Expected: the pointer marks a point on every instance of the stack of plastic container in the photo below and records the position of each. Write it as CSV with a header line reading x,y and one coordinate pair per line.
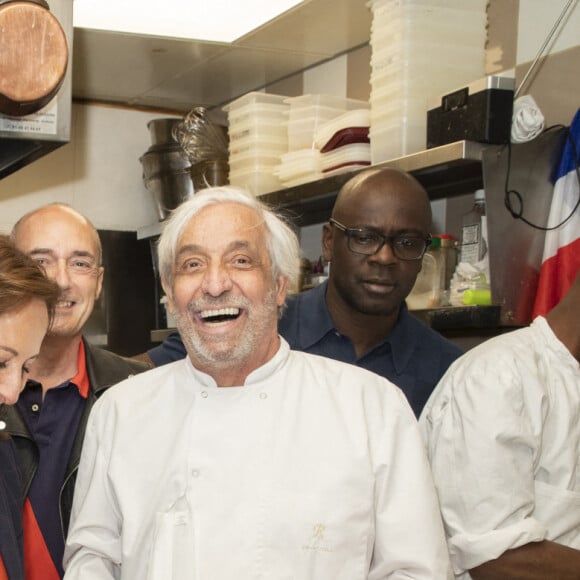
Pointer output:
x,y
257,138
307,114
421,49
344,142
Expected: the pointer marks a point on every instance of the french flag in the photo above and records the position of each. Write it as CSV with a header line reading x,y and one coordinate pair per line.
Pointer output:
x,y
561,259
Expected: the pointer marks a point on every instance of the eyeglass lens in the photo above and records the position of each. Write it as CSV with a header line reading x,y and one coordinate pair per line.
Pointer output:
x,y
404,247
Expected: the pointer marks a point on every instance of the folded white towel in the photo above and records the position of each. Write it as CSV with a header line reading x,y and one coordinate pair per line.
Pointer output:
x,y
527,120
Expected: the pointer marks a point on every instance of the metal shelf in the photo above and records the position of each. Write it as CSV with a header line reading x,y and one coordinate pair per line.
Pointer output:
x,y
444,171
460,317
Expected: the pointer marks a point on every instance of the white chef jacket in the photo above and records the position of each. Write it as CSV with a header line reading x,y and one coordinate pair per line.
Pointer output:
x,y
313,470
503,434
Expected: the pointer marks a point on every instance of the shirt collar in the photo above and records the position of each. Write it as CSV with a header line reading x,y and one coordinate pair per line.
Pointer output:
x,y
318,323
81,379
255,377
402,339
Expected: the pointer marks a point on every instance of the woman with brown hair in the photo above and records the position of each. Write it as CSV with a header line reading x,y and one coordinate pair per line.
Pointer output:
x,y
27,301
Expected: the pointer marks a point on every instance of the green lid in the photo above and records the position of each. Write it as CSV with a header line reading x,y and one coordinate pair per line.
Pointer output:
x,y
435,243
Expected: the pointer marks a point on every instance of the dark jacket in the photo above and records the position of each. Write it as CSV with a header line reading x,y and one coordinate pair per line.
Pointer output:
x,y
10,512
104,369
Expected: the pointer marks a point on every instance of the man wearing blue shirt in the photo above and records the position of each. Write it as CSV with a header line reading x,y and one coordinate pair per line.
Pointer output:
x,y
375,242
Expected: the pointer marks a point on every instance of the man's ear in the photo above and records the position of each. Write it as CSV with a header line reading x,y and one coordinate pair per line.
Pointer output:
x,y
327,242
100,277
281,290
168,291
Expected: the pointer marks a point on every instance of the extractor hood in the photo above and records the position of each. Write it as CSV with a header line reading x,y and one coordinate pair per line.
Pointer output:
x,y
25,139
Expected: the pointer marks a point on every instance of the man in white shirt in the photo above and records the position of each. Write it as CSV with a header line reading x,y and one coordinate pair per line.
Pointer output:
x,y
504,442
248,460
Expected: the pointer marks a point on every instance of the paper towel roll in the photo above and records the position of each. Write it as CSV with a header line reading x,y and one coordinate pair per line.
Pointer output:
x,y
527,120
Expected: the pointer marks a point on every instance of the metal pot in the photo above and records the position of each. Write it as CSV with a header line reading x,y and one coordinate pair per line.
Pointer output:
x,y
169,190
209,173
161,130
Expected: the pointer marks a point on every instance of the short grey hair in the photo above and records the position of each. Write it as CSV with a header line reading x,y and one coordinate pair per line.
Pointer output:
x,y
282,242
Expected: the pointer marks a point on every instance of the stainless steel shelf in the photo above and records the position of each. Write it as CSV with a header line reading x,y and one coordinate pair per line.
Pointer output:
x,y
444,171
150,231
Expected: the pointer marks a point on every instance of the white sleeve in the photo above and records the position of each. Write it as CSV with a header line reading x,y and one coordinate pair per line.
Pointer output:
x,y
482,442
410,540
93,546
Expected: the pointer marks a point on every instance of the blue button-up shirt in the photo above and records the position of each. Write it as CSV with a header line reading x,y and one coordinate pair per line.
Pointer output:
x,y
412,356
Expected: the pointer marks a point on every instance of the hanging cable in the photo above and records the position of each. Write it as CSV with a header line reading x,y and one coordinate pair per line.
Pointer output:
x,y
510,194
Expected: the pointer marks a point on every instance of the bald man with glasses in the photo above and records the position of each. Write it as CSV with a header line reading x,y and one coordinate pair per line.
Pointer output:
x,y
375,242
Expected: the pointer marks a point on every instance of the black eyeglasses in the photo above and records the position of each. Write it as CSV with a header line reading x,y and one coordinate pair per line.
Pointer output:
x,y
369,242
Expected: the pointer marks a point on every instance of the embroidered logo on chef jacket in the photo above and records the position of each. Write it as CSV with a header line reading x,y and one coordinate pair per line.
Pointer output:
x,y
317,543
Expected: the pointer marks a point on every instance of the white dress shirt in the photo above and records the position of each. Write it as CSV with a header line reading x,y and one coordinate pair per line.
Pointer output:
x,y
313,470
503,434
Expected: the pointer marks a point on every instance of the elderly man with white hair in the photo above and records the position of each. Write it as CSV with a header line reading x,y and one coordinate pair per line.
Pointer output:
x,y
246,459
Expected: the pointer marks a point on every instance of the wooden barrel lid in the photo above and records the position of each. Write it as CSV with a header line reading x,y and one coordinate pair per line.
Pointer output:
x,y
34,57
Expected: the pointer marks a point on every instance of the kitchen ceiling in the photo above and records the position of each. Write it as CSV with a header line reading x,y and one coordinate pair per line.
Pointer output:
x,y
177,75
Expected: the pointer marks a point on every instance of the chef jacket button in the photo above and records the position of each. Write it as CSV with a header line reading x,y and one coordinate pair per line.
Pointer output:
x,y
35,407
263,395
195,473
204,394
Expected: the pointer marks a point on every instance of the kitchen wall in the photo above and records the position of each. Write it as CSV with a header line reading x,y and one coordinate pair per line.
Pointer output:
x,y
517,31
99,172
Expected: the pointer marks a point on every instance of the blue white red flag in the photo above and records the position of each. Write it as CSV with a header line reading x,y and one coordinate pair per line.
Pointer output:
x,y
561,258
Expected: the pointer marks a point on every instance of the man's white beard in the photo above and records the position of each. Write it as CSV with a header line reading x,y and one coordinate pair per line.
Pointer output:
x,y
207,348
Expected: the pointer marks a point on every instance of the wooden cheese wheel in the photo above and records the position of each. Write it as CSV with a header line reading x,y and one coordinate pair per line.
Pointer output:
x,y
33,57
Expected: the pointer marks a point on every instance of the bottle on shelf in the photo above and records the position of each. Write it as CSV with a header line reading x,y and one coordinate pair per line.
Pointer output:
x,y
474,231
444,248
472,272
431,286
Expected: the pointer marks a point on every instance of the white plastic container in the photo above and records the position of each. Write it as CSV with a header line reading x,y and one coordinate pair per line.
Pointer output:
x,y
301,132
408,37
263,112
258,180
248,161
355,118
308,112
399,139
297,113
296,164
426,292
354,154
258,130
250,144
331,101
254,98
